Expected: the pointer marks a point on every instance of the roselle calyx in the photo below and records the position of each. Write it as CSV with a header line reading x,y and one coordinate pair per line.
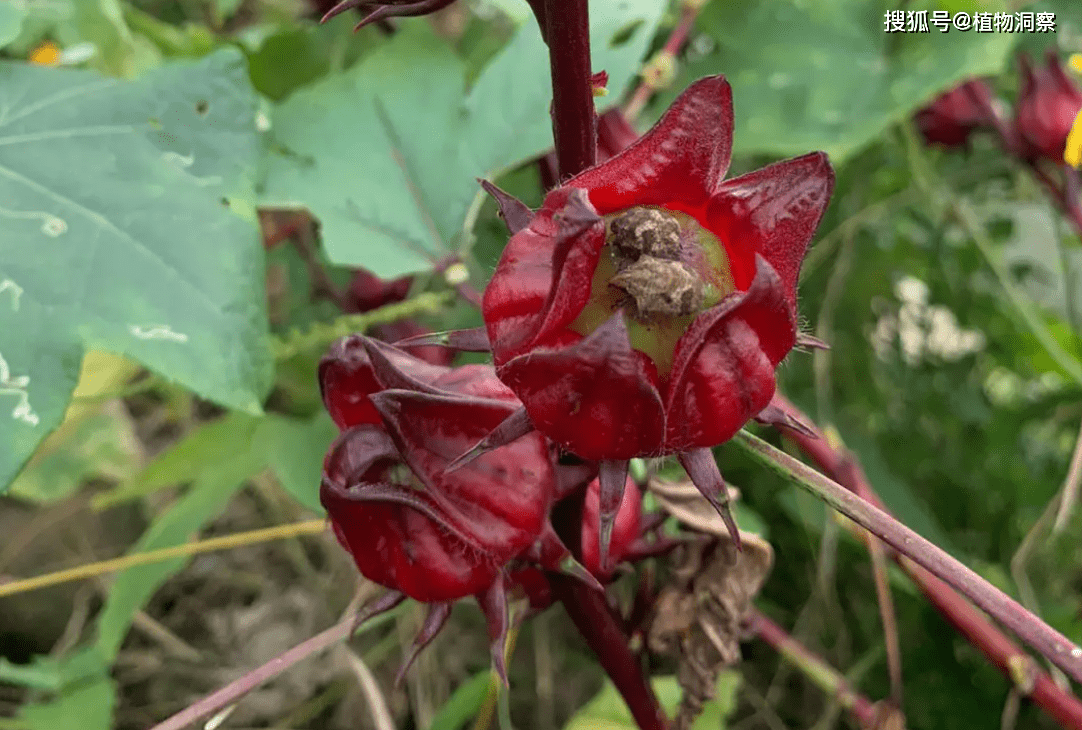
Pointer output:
x,y
953,116
410,524
1048,105
643,309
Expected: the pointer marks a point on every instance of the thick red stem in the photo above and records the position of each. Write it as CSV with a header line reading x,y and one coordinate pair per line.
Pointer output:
x,y
971,623
594,620
573,122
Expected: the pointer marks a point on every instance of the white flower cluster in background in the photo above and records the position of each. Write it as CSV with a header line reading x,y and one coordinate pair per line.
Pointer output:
x,y
922,330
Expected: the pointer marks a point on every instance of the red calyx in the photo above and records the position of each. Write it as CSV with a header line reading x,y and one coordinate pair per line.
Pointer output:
x,y
1047,106
954,115
607,385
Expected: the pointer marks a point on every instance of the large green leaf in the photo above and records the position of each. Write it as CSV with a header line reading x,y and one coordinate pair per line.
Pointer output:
x,y
11,21
117,234
824,75
388,163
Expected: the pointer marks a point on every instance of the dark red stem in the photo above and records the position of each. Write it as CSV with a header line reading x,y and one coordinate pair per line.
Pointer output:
x,y
573,123
1015,663
594,620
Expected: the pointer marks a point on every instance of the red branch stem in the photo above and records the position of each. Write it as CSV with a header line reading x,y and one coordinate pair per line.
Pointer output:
x,y
599,628
1005,654
816,669
573,122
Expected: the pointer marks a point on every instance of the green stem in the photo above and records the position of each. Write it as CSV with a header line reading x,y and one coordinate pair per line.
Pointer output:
x,y
1042,637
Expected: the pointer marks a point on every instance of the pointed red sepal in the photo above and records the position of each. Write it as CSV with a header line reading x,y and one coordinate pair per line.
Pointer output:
x,y
516,214
391,374
334,497
684,157
641,549
703,471
772,212
550,553
607,379
778,417
424,7
572,472
810,342
377,606
612,478
341,8
471,340
435,619
510,429
493,603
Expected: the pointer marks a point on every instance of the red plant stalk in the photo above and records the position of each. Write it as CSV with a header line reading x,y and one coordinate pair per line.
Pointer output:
x,y
590,612
573,122
816,669
1011,660
566,28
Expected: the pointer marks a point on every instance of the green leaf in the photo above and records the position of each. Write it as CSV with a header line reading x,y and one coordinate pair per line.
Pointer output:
x,y
118,52
41,674
607,710
812,75
12,15
116,236
388,163
209,447
84,706
85,694
294,450
464,703
134,587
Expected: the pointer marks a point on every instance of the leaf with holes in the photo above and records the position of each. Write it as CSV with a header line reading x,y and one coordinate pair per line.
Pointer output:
x,y
389,164
115,202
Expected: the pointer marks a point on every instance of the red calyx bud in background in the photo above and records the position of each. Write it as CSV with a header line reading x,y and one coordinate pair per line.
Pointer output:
x,y
1047,107
368,291
626,530
953,116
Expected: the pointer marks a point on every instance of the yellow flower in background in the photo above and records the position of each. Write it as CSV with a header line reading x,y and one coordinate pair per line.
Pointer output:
x,y
1075,63
47,54
1072,153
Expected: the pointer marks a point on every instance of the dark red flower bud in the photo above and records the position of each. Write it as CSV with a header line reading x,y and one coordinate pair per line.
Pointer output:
x,y
646,305
953,116
368,291
1048,105
626,530
412,524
